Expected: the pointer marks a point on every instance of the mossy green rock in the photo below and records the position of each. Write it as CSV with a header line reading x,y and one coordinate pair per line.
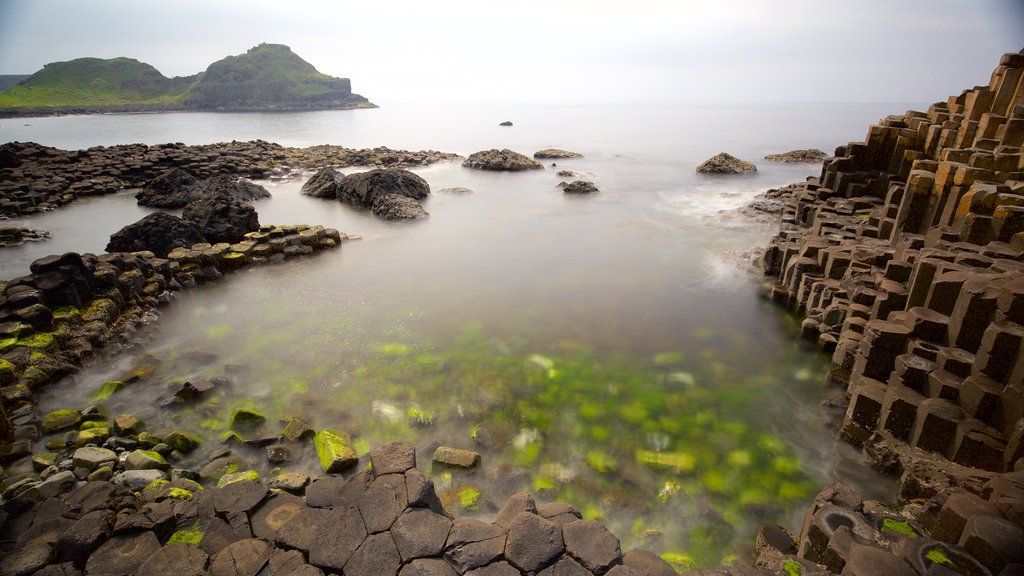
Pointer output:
x,y
60,420
93,436
8,373
247,419
237,477
108,389
456,457
335,451
296,430
43,461
182,441
145,460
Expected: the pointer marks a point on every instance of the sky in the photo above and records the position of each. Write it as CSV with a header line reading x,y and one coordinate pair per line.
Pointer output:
x,y
553,51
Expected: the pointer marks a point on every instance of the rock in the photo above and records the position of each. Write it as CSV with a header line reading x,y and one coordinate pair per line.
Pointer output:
x,y
145,460
428,567
182,441
565,566
222,218
136,480
274,513
302,529
993,541
77,542
647,562
592,545
808,155
292,482
472,544
396,207
868,561
225,186
580,187
158,233
420,533
383,502
172,189
335,451
533,542
122,555
555,154
456,457
505,123
377,556
516,504
59,483
60,420
343,531
323,184
500,568
243,558
421,492
241,496
363,188
246,419
176,559
92,457
501,160
393,458
455,190
725,164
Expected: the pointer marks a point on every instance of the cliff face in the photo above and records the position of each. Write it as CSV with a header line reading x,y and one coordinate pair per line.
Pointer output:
x,y
267,77
906,258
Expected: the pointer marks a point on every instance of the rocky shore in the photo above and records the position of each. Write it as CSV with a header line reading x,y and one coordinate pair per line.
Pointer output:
x,y
905,259
36,178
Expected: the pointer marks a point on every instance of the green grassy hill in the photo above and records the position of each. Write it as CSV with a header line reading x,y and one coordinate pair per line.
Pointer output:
x,y
267,77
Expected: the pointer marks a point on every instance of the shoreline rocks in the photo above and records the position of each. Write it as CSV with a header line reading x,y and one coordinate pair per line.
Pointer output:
x,y
905,259
14,236
723,163
504,160
555,154
810,155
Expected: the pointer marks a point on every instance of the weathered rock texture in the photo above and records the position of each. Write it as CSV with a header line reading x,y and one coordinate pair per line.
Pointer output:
x,y
501,160
36,178
906,258
808,155
723,163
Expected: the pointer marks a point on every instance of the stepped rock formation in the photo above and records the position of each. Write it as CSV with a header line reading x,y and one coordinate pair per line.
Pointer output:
x,y
906,259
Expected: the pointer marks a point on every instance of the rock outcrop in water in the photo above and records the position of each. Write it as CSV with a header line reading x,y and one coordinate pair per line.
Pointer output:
x,y
177,188
158,233
323,184
501,160
724,163
36,178
906,259
222,218
810,155
391,193
555,154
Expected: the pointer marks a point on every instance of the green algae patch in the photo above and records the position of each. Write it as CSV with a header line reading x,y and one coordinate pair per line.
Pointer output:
x,y
8,372
600,462
247,419
190,535
41,341
237,477
90,424
938,555
67,313
898,527
156,485
182,441
469,498
793,568
179,494
107,390
676,461
43,461
334,450
220,332
7,344
395,349
60,420
420,417
678,561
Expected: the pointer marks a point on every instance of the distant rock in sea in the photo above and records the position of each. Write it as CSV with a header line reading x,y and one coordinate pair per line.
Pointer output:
x,y
808,155
555,154
501,160
725,164
579,187
506,123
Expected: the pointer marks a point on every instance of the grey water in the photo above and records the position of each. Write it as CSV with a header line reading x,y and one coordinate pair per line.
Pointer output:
x,y
582,335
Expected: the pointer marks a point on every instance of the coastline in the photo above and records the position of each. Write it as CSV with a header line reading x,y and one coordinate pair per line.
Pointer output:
x,y
44,111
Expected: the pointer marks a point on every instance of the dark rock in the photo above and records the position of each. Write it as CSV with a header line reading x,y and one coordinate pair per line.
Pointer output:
x,y
176,559
505,123
302,529
647,562
219,534
274,513
555,154
363,188
995,542
341,534
323,184
397,207
808,155
158,233
172,189
222,218
225,186
122,555
592,545
558,512
420,533
870,561
65,569
87,533
580,187
533,542
393,458
565,566
26,560
472,544
420,490
99,495
242,558
501,160
501,568
377,556
723,163
242,496
516,503
383,502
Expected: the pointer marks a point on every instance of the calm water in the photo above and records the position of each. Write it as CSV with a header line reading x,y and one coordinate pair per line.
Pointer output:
x,y
601,350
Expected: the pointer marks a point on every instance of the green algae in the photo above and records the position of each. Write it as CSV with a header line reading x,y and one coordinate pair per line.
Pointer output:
x,y
40,341
233,477
678,561
7,344
220,332
90,424
899,527
192,534
793,568
419,416
469,498
600,461
938,555
156,484
107,390
179,494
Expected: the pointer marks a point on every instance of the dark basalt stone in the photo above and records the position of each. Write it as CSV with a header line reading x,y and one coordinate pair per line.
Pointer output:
x,y
158,233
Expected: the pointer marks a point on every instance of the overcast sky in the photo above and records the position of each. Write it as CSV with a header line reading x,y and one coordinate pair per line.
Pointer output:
x,y
553,51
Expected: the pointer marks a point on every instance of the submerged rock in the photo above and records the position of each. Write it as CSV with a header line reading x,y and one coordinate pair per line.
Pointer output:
x,y
555,154
501,160
580,187
158,233
323,184
364,188
506,123
725,164
808,155
397,207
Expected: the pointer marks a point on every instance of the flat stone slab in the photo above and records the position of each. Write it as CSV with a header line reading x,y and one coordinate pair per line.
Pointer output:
x,y
383,502
592,545
122,555
377,556
241,496
177,559
243,558
428,567
341,533
420,533
92,457
456,457
393,458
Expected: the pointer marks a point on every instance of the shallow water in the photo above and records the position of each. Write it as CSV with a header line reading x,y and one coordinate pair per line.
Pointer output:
x,y
601,349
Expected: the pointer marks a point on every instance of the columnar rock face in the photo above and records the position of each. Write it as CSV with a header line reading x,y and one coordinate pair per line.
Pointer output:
x,y
906,259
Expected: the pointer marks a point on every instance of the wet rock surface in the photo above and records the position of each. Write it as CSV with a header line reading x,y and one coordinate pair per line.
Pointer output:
x,y
724,163
501,160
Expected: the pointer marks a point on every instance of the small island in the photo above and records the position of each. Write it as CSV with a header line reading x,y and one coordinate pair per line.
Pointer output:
x,y
268,77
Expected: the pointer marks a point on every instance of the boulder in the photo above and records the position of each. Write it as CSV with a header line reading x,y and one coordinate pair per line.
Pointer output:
x,y
227,186
808,155
555,154
580,187
363,188
222,218
172,189
502,160
158,233
323,184
725,164
397,207
335,451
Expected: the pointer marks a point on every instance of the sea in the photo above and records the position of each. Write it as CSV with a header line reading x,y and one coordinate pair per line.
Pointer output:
x,y
610,350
